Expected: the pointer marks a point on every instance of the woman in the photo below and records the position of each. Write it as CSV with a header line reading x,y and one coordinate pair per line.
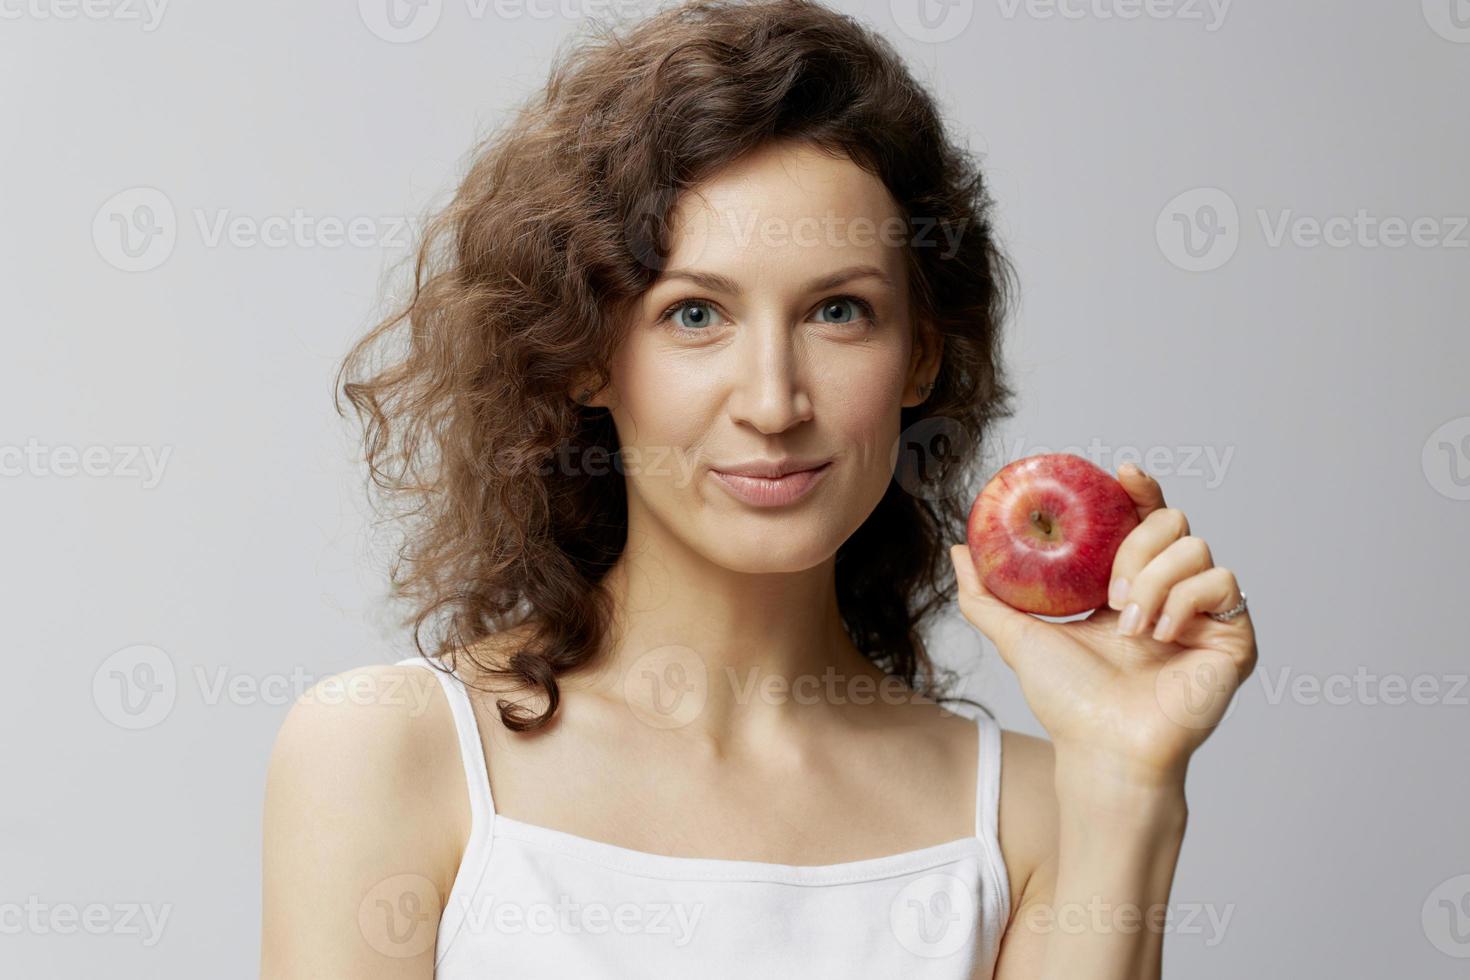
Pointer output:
x,y
692,728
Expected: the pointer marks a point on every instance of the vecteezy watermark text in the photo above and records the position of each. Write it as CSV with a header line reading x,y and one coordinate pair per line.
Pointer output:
x,y
36,459
567,916
36,917
148,13
136,230
1207,463
1211,13
137,687
406,21
1201,229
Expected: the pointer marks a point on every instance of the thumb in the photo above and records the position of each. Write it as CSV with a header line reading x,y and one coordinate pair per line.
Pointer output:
x,y
1003,625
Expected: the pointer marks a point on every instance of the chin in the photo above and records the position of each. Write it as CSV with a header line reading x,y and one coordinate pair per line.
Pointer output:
x,y
774,550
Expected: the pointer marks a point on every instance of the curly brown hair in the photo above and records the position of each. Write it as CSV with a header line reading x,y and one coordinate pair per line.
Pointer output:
x,y
520,284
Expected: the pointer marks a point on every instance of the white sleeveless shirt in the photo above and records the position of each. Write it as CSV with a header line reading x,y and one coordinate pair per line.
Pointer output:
x,y
531,902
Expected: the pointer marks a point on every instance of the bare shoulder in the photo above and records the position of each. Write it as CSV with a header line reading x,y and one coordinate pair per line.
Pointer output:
x,y
390,714
380,735
1028,808
1028,804
360,756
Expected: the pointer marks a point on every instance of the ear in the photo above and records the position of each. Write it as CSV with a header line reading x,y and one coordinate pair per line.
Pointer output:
x,y
923,364
585,393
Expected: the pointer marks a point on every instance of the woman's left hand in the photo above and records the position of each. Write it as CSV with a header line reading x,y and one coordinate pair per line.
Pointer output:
x,y
1139,703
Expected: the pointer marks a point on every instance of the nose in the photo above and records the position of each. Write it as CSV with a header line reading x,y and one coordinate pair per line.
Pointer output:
x,y
769,391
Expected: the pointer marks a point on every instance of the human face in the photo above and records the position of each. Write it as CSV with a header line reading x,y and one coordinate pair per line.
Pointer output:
x,y
778,328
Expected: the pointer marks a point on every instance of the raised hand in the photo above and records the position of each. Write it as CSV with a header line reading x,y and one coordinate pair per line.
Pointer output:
x,y
1140,683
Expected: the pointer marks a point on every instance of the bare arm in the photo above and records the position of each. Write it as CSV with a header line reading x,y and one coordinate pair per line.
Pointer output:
x,y
362,829
1127,700
1104,856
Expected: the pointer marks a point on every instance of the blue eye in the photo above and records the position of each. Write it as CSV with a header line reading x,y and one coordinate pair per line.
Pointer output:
x,y
862,310
694,316
689,324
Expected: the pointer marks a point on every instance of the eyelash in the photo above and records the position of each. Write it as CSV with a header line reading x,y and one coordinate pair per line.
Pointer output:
x,y
869,315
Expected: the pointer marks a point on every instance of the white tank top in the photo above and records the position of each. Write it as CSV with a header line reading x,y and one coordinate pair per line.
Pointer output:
x,y
530,902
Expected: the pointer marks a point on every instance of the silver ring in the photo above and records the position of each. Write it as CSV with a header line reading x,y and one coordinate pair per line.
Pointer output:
x,y
1229,614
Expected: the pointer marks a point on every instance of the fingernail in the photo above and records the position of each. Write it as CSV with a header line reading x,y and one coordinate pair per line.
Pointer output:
x,y
1128,622
1162,629
1117,592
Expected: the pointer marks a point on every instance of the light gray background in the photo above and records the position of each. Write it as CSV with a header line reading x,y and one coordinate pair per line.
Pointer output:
x,y
1329,383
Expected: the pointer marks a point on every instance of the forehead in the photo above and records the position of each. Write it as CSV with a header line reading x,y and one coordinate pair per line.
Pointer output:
x,y
785,211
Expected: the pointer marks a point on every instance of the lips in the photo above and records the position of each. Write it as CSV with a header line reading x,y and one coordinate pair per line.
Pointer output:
x,y
762,491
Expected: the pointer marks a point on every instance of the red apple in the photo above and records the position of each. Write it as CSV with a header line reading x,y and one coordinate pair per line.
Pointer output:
x,y
1044,530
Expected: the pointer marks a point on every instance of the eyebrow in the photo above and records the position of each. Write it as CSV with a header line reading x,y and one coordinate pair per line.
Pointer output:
x,y
719,283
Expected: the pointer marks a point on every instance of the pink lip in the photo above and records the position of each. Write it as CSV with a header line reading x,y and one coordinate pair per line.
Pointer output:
x,y
761,491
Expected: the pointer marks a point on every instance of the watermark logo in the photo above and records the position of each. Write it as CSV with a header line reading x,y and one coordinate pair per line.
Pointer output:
x,y
397,916
648,230
1446,459
1450,19
933,916
926,454
1446,917
667,687
933,21
1199,230
400,21
1199,694
135,688
135,230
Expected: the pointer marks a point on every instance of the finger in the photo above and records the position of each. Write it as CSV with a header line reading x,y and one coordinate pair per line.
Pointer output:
x,y
1001,624
1153,534
1185,557
1147,495
1213,590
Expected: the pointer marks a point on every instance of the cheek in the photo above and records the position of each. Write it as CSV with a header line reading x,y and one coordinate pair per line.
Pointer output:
x,y
664,401
859,405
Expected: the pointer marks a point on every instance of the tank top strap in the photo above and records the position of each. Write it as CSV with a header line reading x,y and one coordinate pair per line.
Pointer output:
x,y
471,752
987,777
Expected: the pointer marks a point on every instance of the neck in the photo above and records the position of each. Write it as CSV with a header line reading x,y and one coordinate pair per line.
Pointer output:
x,y
726,657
